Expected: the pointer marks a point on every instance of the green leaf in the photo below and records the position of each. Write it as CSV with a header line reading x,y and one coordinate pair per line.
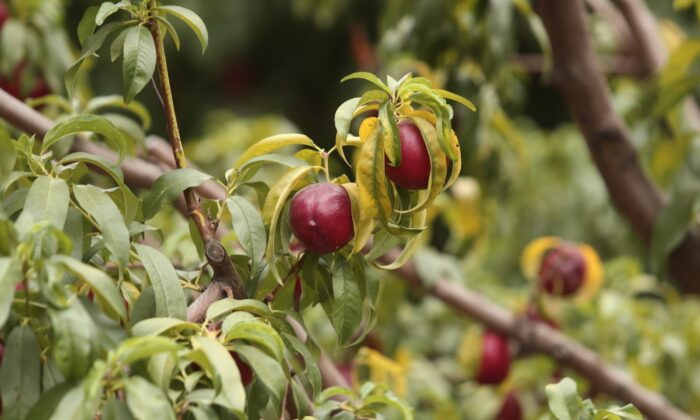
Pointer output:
x,y
163,326
389,401
311,369
362,219
370,78
48,199
343,118
106,10
249,228
390,133
272,143
411,246
453,96
138,348
86,123
116,48
117,101
371,178
564,402
192,20
139,60
116,410
170,299
8,156
108,167
91,44
346,313
168,186
147,401
10,275
100,283
97,204
267,370
20,373
260,334
170,29
87,25
225,306
224,373
47,405
72,346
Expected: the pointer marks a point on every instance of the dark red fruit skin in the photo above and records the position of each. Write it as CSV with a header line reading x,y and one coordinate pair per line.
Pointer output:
x,y
413,173
321,217
510,408
495,359
244,369
562,271
4,13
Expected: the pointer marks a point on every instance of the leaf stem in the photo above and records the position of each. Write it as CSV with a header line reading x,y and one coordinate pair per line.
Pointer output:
x,y
216,254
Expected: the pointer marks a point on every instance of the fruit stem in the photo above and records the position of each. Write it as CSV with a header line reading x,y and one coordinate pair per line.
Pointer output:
x,y
216,254
325,155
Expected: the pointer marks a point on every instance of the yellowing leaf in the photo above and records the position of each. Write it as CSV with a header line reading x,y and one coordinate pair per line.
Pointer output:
x,y
275,203
362,220
438,164
532,255
594,273
371,179
272,143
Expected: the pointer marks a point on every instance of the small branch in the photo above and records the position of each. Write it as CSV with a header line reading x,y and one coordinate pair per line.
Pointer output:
x,y
539,338
216,254
577,75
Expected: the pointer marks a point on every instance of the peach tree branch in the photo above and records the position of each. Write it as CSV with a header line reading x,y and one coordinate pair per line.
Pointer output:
x,y
578,76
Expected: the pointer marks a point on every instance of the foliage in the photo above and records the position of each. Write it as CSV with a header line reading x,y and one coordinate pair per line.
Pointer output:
x,y
96,275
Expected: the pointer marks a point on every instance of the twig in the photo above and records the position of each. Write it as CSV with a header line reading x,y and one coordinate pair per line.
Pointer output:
x,y
216,254
577,75
539,338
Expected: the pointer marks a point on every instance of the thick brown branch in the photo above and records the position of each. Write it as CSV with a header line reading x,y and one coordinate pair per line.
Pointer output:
x,y
539,338
578,76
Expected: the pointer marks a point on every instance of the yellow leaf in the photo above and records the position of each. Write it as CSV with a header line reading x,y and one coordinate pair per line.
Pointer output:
x,y
438,164
272,143
362,221
457,163
274,203
594,273
532,255
371,180
368,125
410,248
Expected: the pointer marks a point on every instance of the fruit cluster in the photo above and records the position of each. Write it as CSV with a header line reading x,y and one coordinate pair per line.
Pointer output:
x,y
405,137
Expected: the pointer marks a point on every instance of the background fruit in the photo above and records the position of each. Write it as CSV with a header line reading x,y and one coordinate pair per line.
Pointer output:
x,y
511,408
563,270
413,173
495,359
321,217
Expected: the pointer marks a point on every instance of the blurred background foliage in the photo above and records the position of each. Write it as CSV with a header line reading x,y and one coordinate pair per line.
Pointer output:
x,y
274,66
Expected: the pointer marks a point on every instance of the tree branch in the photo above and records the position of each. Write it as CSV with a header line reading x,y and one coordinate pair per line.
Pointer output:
x,y
577,75
216,254
540,338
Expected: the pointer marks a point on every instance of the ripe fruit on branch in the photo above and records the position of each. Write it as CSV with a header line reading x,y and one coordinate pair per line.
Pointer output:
x,y
413,173
320,216
563,270
495,359
510,408
245,370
